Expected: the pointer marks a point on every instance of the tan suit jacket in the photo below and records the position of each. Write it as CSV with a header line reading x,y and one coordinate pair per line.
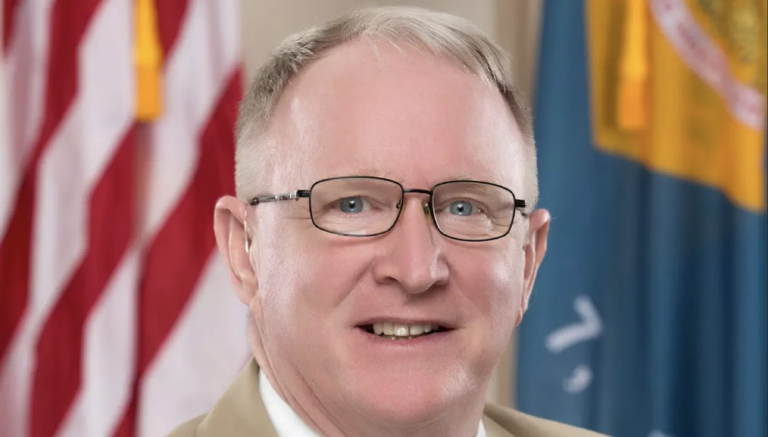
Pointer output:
x,y
240,413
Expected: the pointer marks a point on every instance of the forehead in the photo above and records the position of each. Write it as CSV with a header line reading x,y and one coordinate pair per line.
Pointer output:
x,y
367,108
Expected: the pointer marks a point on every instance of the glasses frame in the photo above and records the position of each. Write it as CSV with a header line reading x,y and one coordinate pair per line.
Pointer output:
x,y
300,194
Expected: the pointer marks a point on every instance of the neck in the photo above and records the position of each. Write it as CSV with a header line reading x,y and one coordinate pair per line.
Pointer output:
x,y
462,421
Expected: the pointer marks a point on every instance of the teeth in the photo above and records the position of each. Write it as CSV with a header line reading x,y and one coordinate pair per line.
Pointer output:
x,y
416,329
386,328
401,330
404,331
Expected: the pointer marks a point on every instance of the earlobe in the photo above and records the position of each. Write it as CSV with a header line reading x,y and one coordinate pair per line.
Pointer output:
x,y
519,318
230,225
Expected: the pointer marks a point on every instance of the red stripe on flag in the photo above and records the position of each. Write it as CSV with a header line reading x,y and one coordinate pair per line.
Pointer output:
x,y
179,253
69,20
111,222
14,263
9,10
170,16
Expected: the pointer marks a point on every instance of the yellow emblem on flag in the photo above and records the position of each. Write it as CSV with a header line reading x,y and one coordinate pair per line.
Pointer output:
x,y
680,86
149,59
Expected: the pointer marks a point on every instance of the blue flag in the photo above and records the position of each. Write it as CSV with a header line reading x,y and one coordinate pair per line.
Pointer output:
x,y
649,314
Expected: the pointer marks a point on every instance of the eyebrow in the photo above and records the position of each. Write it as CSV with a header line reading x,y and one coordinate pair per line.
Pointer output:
x,y
462,177
377,172
369,171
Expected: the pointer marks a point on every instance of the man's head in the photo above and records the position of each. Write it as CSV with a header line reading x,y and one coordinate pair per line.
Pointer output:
x,y
418,98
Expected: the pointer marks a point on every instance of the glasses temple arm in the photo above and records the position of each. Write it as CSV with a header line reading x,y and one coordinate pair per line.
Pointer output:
x,y
519,203
294,195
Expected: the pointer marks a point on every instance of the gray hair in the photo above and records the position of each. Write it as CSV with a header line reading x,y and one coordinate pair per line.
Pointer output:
x,y
438,34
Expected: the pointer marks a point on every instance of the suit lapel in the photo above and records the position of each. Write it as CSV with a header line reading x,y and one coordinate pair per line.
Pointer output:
x,y
493,429
240,412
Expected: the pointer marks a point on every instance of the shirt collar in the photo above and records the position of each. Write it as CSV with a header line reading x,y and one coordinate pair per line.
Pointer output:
x,y
287,423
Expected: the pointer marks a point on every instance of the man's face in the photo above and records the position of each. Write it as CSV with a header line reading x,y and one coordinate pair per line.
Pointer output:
x,y
419,121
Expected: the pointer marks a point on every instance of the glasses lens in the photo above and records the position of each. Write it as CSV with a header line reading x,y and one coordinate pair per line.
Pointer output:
x,y
355,206
473,210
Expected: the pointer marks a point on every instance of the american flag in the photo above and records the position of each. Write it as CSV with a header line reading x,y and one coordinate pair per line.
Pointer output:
x,y
116,316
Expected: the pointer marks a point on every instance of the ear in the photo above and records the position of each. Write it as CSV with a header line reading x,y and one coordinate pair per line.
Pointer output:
x,y
232,238
535,249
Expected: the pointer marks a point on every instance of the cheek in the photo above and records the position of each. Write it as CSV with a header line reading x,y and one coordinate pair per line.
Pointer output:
x,y
307,276
495,283
280,272
331,269
291,321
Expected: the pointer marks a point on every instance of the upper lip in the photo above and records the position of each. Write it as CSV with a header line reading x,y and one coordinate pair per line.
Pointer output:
x,y
408,321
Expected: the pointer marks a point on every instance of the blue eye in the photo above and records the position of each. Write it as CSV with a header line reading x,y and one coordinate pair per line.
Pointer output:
x,y
461,208
351,205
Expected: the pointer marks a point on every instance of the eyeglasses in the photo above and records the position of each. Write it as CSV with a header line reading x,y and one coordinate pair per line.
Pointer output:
x,y
366,206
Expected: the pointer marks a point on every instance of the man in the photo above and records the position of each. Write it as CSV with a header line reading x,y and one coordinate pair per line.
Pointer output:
x,y
384,237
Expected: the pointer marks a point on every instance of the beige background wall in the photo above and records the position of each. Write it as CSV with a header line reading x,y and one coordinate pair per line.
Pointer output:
x,y
513,23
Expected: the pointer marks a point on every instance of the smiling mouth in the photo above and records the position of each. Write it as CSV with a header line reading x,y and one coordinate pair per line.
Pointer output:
x,y
402,332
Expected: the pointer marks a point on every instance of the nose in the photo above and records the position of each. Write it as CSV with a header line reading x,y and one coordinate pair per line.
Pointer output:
x,y
409,254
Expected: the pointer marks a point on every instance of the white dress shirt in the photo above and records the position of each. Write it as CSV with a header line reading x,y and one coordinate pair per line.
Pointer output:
x,y
287,423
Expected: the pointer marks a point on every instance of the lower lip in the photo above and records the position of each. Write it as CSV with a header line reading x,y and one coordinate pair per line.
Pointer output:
x,y
422,342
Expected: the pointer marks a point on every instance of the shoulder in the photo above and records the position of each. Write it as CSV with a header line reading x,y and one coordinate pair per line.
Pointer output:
x,y
187,429
523,425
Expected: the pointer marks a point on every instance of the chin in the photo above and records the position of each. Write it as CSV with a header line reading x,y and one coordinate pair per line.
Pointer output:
x,y
403,396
